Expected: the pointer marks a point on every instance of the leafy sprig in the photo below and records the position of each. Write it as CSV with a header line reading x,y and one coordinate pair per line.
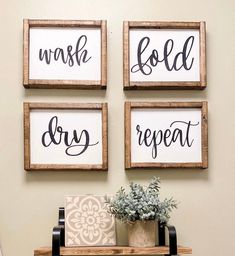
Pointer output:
x,y
141,203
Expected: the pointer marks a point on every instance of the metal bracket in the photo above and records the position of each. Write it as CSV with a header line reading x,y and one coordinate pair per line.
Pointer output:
x,y
172,237
58,234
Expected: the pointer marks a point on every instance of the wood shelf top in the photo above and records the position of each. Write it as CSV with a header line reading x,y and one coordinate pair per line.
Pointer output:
x,y
114,250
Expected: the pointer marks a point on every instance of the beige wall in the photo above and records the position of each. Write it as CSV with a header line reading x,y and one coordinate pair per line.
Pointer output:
x,y
29,201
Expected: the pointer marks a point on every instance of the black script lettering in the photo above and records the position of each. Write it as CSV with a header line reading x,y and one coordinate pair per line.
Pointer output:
x,y
179,131
56,135
167,51
143,44
145,65
189,124
79,56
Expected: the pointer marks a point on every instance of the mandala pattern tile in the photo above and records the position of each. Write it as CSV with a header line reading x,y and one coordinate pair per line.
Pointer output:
x,y
87,222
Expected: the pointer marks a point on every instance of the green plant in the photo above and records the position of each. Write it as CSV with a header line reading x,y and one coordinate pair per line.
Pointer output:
x,y
141,203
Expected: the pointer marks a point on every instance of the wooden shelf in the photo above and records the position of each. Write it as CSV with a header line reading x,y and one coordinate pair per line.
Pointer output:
x,y
115,250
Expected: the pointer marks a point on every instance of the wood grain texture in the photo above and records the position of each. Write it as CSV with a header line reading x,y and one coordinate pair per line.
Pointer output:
x,y
158,105
151,85
164,24
26,137
105,136
65,84
127,129
166,104
112,250
42,105
204,134
63,167
126,64
26,52
166,165
203,79
64,23
28,106
103,54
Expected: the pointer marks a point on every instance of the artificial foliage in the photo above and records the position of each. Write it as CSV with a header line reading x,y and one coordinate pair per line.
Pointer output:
x,y
141,203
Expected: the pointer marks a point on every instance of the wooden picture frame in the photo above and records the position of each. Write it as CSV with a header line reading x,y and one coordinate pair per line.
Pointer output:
x,y
65,136
143,62
178,138
65,54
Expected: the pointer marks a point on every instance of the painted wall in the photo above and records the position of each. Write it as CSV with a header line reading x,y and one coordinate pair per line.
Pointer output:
x,y
29,201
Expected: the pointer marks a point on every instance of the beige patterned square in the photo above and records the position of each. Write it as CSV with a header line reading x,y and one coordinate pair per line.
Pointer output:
x,y
87,222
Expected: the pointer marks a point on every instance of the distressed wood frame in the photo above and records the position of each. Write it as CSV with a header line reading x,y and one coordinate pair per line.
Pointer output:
x,y
150,85
204,133
65,84
28,106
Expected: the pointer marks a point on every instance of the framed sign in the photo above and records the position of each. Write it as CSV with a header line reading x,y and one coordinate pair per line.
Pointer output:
x,y
65,54
164,55
65,136
166,134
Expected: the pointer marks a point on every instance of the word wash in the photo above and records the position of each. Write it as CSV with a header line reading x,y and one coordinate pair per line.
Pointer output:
x,y
71,55
178,132
76,144
181,60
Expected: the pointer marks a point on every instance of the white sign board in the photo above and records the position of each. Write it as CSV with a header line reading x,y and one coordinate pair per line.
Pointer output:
x,y
64,54
166,135
65,138
170,135
164,55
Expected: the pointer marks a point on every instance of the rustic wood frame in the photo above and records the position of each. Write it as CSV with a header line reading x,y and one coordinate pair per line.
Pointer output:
x,y
65,84
135,85
204,133
28,106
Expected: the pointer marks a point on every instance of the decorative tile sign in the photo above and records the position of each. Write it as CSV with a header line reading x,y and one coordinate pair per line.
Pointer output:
x,y
166,134
164,55
65,136
65,54
87,222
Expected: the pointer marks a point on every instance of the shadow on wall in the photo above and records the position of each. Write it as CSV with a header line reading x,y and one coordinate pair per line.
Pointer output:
x,y
101,176
72,94
66,176
162,95
169,174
